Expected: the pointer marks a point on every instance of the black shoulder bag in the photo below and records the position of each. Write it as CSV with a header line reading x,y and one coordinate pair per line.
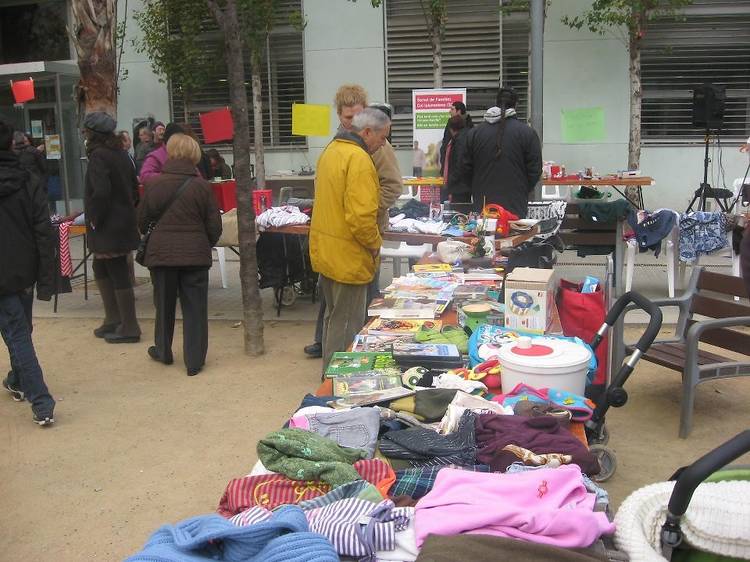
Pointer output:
x,y
140,253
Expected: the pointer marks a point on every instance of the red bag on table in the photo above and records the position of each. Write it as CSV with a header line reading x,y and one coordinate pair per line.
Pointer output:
x,y
581,315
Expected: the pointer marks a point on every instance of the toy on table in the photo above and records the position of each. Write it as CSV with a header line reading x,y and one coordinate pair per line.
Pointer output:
x,y
502,216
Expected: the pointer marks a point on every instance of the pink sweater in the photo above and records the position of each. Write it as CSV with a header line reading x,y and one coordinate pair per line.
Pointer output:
x,y
153,163
547,506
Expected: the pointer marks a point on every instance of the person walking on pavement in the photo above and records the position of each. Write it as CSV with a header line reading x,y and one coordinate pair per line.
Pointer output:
x,y
111,227
27,244
188,224
350,100
345,239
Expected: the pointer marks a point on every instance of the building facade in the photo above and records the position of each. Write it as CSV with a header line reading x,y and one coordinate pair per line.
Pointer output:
x,y
386,50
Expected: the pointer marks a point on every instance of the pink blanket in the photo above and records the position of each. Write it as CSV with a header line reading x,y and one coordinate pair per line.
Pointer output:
x,y
547,506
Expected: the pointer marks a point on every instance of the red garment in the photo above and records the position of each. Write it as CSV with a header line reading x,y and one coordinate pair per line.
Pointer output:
x,y
66,265
272,490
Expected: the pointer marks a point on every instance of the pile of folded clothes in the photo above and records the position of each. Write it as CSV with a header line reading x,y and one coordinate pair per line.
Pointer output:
x,y
441,475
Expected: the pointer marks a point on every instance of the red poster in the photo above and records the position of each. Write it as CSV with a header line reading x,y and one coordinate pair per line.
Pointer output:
x,y
217,125
23,90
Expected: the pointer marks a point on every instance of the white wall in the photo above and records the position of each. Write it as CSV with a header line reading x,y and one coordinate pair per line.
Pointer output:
x,y
141,94
342,45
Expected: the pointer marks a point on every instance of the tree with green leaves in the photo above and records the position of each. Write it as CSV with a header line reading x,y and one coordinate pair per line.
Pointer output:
x,y
633,17
172,30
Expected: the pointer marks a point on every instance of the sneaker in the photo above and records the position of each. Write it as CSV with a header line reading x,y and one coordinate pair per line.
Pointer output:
x,y
44,420
16,394
314,350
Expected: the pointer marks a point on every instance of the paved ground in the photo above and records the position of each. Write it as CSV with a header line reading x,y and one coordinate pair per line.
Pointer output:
x,y
138,444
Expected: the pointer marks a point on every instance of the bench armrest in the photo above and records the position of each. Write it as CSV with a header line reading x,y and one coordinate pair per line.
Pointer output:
x,y
695,331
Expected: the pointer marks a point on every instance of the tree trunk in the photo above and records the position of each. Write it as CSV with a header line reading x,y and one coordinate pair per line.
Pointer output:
x,y
634,139
251,301
94,30
260,163
436,40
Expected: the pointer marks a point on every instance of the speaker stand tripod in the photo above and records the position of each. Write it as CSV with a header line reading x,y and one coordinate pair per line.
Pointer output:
x,y
705,191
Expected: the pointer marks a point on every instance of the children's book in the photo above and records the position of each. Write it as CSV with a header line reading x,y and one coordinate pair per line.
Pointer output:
x,y
347,363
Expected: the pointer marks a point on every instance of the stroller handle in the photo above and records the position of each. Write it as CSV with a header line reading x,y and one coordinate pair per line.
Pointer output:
x,y
654,322
689,479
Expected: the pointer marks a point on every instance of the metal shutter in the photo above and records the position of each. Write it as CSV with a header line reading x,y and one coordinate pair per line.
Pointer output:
x,y
471,56
710,44
283,81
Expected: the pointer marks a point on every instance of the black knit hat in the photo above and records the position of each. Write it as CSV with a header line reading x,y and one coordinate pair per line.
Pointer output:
x,y
100,122
170,130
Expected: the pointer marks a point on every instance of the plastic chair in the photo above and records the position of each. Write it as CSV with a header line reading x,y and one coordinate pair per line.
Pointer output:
x,y
403,252
671,242
287,192
222,259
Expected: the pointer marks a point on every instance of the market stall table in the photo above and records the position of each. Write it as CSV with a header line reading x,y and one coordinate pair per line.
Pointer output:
x,y
415,239
614,182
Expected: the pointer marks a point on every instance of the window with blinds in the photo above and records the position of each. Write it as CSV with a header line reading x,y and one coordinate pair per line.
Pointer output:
x,y
711,43
481,47
283,82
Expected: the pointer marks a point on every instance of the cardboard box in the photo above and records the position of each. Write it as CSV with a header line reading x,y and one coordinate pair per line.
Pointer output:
x,y
529,299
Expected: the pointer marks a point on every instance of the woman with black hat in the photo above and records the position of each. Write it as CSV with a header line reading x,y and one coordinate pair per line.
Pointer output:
x,y
111,226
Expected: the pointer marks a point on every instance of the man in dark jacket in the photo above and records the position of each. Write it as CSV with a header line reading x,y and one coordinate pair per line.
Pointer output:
x,y
30,157
502,161
27,250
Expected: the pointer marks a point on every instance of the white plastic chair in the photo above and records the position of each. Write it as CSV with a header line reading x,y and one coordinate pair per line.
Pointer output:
x,y
403,252
222,259
671,243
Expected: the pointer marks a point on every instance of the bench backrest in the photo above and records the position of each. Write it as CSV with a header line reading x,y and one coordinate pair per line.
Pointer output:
x,y
577,232
707,302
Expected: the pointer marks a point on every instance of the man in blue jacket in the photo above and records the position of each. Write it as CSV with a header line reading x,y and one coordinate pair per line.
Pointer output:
x,y
28,258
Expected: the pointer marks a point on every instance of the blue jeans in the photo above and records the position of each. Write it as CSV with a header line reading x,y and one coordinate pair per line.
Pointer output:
x,y
26,374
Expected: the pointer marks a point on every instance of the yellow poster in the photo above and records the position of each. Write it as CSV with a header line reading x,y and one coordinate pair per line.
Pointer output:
x,y
311,120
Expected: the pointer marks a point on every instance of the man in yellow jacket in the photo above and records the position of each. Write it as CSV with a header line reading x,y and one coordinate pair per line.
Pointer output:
x,y
344,236
350,99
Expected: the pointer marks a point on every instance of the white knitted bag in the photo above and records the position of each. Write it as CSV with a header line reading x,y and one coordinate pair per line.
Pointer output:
x,y
717,520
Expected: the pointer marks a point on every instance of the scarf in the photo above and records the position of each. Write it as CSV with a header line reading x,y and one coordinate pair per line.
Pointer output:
x,y
494,114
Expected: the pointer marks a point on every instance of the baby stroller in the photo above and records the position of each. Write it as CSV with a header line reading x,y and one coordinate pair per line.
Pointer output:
x,y
654,522
615,395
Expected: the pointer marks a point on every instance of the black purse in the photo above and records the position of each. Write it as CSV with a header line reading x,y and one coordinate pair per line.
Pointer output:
x,y
140,253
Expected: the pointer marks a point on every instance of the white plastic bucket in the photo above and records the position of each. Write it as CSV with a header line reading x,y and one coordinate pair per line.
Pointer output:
x,y
544,363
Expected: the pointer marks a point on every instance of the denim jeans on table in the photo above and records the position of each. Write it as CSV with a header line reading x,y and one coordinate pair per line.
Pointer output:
x,y
26,373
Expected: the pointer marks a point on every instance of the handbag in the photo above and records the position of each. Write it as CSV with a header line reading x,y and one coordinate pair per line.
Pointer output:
x,y
140,253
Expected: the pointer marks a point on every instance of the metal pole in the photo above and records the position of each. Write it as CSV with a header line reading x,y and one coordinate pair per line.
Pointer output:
x,y
536,73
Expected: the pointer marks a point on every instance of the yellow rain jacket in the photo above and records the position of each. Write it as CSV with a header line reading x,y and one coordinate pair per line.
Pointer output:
x,y
344,228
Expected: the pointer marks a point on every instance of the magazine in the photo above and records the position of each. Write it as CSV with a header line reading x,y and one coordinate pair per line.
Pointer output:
x,y
366,383
408,308
381,344
388,395
387,327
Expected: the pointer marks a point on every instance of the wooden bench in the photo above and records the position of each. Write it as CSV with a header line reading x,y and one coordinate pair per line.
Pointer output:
x,y
711,296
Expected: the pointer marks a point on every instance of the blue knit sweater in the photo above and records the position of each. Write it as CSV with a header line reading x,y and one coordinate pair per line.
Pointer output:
x,y
283,538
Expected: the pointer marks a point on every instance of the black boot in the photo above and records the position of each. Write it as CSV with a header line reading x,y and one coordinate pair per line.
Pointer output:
x,y
128,331
111,312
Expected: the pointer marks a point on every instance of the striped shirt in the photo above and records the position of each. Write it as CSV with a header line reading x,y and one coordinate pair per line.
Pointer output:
x,y
358,527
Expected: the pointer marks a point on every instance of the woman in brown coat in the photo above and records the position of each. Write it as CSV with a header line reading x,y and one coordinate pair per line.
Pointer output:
x,y
179,250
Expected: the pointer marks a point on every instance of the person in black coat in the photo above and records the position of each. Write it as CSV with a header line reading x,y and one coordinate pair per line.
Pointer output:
x,y
454,188
456,108
502,161
111,226
27,247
